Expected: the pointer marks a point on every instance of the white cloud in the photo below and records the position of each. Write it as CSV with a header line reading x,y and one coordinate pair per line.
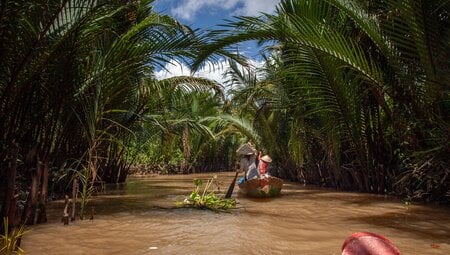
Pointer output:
x,y
188,9
212,71
255,7
171,69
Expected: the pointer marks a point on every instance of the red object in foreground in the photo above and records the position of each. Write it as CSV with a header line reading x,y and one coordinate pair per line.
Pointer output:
x,y
365,243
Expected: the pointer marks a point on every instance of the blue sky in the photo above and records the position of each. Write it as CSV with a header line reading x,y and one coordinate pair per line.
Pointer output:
x,y
208,14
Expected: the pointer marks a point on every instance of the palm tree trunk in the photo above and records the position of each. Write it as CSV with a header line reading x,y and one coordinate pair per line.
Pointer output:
x,y
31,204
186,148
9,205
74,197
42,217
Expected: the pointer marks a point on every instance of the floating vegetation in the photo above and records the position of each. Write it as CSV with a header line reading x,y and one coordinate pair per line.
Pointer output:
x,y
207,199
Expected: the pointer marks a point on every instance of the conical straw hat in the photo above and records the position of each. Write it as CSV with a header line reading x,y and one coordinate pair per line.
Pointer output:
x,y
245,150
266,158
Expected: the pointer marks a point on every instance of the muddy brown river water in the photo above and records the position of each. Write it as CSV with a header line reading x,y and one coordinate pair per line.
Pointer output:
x,y
133,219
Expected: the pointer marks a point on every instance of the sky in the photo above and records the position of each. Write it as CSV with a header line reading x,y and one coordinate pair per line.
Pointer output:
x,y
208,14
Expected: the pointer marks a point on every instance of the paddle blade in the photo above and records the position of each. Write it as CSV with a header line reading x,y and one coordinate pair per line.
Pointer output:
x,y
231,188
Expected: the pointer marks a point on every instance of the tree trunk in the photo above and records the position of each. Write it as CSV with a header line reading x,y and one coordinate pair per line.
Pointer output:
x,y
74,197
31,208
9,204
42,218
65,217
186,149
12,210
93,164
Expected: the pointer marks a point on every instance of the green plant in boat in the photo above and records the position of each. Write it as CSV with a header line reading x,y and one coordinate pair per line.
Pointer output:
x,y
206,199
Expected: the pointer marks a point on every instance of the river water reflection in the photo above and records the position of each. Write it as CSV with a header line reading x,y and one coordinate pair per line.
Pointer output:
x,y
134,219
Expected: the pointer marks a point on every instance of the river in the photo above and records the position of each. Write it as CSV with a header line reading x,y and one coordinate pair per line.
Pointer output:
x,y
135,218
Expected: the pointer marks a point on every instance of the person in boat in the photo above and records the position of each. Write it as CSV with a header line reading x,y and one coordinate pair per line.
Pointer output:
x,y
262,169
263,164
252,171
247,162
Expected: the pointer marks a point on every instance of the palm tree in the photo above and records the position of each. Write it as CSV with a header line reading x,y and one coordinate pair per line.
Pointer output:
x,y
72,90
176,109
358,77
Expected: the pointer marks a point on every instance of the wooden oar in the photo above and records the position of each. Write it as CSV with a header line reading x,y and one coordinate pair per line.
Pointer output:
x,y
231,188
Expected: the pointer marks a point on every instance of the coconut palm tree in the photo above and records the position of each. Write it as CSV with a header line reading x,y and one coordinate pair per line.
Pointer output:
x,y
358,77
72,89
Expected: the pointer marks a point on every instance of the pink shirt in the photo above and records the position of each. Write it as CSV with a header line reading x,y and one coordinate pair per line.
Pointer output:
x,y
262,167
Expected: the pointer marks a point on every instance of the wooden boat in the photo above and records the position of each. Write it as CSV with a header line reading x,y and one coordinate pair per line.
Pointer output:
x,y
269,188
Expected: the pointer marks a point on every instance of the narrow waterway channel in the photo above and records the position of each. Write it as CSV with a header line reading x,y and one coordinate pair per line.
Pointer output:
x,y
133,219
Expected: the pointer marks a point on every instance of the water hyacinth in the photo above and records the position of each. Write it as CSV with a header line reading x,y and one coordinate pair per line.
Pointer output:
x,y
206,198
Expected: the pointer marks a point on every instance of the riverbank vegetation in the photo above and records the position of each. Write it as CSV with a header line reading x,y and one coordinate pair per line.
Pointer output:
x,y
353,95
10,239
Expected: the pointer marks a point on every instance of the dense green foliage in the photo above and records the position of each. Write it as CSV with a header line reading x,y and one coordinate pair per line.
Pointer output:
x,y
356,93
353,95
185,127
77,87
71,78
